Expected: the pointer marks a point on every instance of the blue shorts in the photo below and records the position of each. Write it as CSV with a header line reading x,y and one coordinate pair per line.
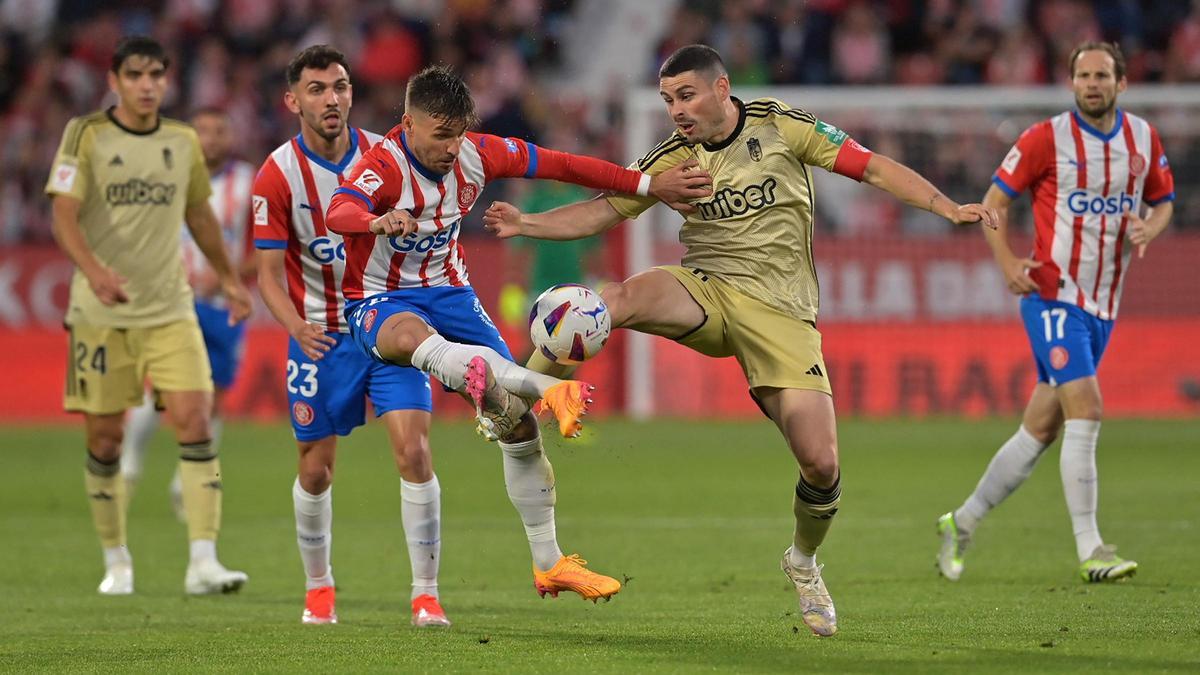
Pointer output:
x,y
453,311
328,396
226,344
1067,341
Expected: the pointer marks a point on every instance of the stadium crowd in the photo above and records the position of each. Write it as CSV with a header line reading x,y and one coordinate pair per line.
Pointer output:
x,y
231,54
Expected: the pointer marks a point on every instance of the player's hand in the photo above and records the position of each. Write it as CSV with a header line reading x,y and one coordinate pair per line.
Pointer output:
x,y
1016,274
394,223
108,286
1140,233
312,340
238,298
503,220
976,213
680,184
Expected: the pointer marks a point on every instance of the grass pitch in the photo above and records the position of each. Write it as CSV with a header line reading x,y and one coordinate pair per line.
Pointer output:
x,y
694,515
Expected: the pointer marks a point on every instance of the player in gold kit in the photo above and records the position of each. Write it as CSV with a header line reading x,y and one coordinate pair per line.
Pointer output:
x,y
747,286
123,182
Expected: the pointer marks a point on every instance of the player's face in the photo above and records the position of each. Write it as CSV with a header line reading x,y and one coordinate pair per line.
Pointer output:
x,y
695,104
434,141
215,140
1095,83
140,84
322,99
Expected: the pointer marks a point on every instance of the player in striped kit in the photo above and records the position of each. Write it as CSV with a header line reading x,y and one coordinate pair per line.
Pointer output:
x,y
232,181
1089,170
409,299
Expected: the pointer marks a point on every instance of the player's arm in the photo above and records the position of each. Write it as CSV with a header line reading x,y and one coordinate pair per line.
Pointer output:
x,y
515,158
1159,195
573,221
271,286
1015,268
913,189
206,232
1143,230
104,282
362,203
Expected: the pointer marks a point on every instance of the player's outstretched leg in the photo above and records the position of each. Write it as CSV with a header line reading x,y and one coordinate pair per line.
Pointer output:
x,y
106,495
449,362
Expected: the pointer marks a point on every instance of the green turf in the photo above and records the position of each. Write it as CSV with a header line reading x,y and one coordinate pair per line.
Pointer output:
x,y
696,515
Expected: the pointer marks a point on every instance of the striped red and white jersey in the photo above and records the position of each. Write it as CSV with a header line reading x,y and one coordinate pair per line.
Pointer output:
x,y
291,193
1084,184
232,185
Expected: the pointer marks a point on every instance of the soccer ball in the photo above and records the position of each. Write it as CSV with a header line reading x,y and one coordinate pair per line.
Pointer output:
x,y
569,324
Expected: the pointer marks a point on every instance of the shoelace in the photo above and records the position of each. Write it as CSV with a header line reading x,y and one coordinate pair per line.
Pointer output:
x,y
574,557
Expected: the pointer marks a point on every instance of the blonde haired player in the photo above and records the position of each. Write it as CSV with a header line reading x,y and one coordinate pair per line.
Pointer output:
x,y
123,182
747,286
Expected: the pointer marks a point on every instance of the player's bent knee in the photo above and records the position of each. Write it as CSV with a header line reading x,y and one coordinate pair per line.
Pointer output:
x,y
821,472
400,337
525,430
315,469
616,295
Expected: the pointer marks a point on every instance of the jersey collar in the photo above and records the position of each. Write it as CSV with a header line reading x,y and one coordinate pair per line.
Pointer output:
x,y
113,118
1096,132
416,163
736,130
320,161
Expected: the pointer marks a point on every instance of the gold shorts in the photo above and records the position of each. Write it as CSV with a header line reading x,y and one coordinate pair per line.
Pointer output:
x,y
774,349
107,367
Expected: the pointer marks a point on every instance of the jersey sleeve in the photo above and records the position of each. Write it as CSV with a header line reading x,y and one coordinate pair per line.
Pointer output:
x,y
665,155
376,181
199,183
270,204
1160,182
1027,161
818,143
70,174
516,158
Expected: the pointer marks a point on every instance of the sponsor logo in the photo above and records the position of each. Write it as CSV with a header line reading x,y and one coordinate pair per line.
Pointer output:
x,y
302,413
368,182
368,320
467,194
478,307
511,145
1011,160
1162,161
259,204
1137,164
138,191
1082,202
423,244
832,133
755,149
1059,356
730,202
64,177
325,250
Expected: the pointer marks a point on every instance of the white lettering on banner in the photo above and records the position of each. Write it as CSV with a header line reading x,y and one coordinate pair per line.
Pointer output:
x,y
905,290
11,312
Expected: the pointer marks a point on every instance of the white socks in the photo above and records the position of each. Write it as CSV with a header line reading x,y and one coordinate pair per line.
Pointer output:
x,y
530,482
140,425
1008,469
447,361
1078,467
314,523
800,560
202,549
421,512
117,555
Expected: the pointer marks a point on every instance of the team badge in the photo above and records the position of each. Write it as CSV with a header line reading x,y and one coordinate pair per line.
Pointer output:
x,y
467,193
369,319
1059,356
755,149
1011,160
1137,164
64,178
302,413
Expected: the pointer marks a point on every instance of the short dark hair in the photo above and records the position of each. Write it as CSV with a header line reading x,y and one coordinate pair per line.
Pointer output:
x,y
139,45
317,57
700,58
441,93
1109,48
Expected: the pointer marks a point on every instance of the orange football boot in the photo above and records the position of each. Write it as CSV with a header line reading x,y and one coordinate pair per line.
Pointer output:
x,y
318,606
568,400
570,574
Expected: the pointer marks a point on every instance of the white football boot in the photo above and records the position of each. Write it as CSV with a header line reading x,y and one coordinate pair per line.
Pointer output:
x,y
118,579
210,576
816,607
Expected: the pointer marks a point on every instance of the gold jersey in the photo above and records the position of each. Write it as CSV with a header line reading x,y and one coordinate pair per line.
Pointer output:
x,y
755,231
135,188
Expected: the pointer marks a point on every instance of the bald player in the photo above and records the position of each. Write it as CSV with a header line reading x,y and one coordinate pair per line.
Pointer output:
x,y
747,285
